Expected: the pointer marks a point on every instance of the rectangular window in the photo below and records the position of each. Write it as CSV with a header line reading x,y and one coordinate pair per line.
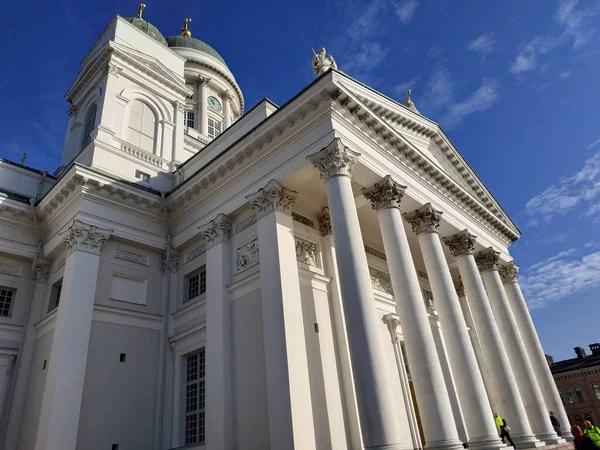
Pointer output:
x,y
195,398
142,175
196,284
190,119
55,294
214,128
6,300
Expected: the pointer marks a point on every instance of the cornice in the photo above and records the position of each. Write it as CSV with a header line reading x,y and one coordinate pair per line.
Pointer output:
x,y
421,166
226,76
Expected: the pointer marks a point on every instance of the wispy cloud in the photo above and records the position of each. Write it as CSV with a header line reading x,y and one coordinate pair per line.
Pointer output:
x,y
579,190
406,9
561,276
400,88
370,54
439,92
593,144
480,100
565,74
484,45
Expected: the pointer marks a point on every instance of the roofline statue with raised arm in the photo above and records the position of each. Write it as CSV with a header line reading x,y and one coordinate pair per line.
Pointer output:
x,y
322,63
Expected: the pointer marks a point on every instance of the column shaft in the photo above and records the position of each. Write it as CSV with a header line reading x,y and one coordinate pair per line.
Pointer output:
x,y
469,382
202,125
226,110
536,355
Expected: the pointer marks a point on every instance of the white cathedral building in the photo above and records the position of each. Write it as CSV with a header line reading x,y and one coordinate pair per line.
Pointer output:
x,y
325,274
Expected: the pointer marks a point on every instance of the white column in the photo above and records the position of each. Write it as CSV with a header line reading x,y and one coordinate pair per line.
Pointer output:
x,y
219,407
288,389
61,404
41,269
331,269
227,97
392,322
487,261
471,391
509,275
177,143
202,104
376,408
504,391
105,117
432,397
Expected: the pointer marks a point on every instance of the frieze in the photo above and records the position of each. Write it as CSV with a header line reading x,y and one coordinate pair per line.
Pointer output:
x,y
131,257
306,252
247,256
13,271
381,281
248,221
303,220
195,253
375,253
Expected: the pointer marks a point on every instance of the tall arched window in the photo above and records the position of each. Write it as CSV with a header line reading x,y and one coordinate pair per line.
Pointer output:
x,y
142,126
569,395
596,389
88,126
579,394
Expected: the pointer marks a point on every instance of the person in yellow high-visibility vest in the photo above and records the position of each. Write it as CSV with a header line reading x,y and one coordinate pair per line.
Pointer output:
x,y
592,431
503,429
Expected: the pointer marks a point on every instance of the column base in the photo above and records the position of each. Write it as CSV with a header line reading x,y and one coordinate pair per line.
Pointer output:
x,y
527,440
386,447
550,439
486,443
452,444
567,436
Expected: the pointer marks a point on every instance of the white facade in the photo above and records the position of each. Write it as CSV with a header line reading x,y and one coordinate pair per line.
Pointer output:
x,y
303,277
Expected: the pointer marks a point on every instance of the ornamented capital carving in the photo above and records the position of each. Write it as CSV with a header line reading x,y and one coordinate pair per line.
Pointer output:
x,y
325,222
424,219
179,106
112,69
392,322
273,197
334,160
509,272
226,96
73,110
85,237
487,259
217,230
385,194
203,81
460,287
462,243
170,261
41,270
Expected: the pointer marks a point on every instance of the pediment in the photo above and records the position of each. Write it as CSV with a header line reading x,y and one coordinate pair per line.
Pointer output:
x,y
426,138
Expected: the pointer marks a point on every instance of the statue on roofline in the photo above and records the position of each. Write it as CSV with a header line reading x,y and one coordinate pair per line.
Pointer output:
x,y
322,63
409,103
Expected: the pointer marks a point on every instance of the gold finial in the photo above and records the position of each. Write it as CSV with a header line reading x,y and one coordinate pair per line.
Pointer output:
x,y
140,9
184,29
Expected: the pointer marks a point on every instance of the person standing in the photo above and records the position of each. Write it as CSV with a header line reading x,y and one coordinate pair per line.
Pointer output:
x,y
503,429
555,423
582,441
592,431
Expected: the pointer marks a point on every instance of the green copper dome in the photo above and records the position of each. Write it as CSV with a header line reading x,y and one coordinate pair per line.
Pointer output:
x,y
196,44
147,28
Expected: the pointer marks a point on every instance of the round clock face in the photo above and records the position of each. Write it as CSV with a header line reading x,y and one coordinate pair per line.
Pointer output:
x,y
215,104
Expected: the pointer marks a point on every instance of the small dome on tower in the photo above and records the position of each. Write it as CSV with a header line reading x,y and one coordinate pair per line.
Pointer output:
x,y
196,44
147,28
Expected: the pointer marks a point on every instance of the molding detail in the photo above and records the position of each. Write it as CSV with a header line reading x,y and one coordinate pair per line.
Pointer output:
x,y
195,253
509,273
131,257
306,252
245,223
325,222
424,219
273,197
334,160
13,271
217,230
460,288
170,261
375,253
385,194
428,299
73,110
303,220
247,256
41,270
85,237
487,259
381,281
203,81
461,243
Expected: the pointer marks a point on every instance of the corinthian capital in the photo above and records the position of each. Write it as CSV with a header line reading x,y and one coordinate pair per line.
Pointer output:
x,y
424,219
509,272
487,259
460,287
85,237
334,160
325,222
273,197
41,270
203,81
462,243
217,230
385,194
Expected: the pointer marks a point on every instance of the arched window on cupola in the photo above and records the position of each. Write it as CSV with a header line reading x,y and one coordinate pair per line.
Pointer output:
x,y
141,130
580,396
88,126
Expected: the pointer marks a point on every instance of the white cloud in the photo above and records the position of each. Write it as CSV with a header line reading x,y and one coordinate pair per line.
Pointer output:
x,y
439,93
400,88
575,22
593,144
565,74
480,100
579,190
370,54
484,44
406,10
559,277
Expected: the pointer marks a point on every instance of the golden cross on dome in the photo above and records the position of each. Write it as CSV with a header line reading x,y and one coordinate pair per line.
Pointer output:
x,y
140,9
184,29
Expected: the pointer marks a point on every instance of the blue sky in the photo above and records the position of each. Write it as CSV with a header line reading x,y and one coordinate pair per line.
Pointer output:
x,y
513,83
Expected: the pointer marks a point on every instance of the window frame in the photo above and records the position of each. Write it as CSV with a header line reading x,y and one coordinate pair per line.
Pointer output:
x,y
195,289
570,397
596,390
89,124
55,294
216,131
154,150
194,392
189,120
13,296
579,395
